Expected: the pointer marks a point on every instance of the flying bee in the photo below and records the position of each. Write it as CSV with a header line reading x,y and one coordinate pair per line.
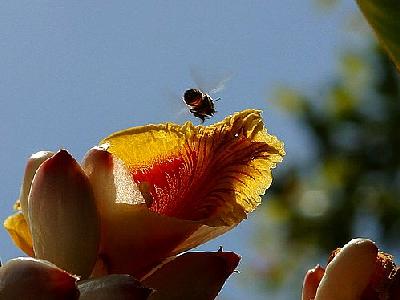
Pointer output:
x,y
198,100
200,104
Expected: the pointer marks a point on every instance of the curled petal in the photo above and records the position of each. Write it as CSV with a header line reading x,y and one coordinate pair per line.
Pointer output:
x,y
63,215
18,229
121,287
28,278
348,274
192,275
163,189
212,174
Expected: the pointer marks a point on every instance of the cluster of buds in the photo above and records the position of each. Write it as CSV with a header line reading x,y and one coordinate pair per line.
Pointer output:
x,y
118,225
188,276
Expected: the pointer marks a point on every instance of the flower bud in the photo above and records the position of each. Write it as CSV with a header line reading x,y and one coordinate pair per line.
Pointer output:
x,y
348,274
63,215
28,278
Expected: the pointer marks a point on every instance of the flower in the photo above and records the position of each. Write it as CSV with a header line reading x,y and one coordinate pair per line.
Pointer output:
x,y
357,271
143,195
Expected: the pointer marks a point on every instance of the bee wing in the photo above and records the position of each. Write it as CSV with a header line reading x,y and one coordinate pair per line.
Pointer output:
x,y
214,84
221,84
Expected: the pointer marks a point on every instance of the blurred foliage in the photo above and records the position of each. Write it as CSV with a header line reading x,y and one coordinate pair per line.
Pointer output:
x,y
384,17
351,187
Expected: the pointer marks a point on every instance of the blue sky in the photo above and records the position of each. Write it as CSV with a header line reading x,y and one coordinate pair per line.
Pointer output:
x,y
72,72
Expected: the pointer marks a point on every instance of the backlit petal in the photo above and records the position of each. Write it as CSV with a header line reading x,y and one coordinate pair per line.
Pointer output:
x,y
212,174
18,229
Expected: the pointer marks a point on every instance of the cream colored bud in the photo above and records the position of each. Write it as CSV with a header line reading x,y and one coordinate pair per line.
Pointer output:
x,y
63,215
28,278
348,274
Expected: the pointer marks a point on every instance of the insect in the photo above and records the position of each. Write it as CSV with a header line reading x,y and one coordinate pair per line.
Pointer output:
x,y
200,104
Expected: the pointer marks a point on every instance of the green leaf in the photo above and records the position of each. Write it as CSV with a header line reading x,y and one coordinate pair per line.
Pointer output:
x,y
384,17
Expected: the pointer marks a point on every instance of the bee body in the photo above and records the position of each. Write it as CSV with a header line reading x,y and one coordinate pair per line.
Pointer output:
x,y
200,104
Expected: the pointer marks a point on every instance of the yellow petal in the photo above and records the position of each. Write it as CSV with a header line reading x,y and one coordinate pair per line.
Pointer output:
x,y
18,229
212,174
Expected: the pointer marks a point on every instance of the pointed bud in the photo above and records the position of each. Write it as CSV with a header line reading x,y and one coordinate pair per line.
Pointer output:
x,y
348,274
28,278
63,215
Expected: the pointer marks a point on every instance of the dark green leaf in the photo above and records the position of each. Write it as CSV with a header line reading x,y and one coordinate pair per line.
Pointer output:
x,y
384,17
